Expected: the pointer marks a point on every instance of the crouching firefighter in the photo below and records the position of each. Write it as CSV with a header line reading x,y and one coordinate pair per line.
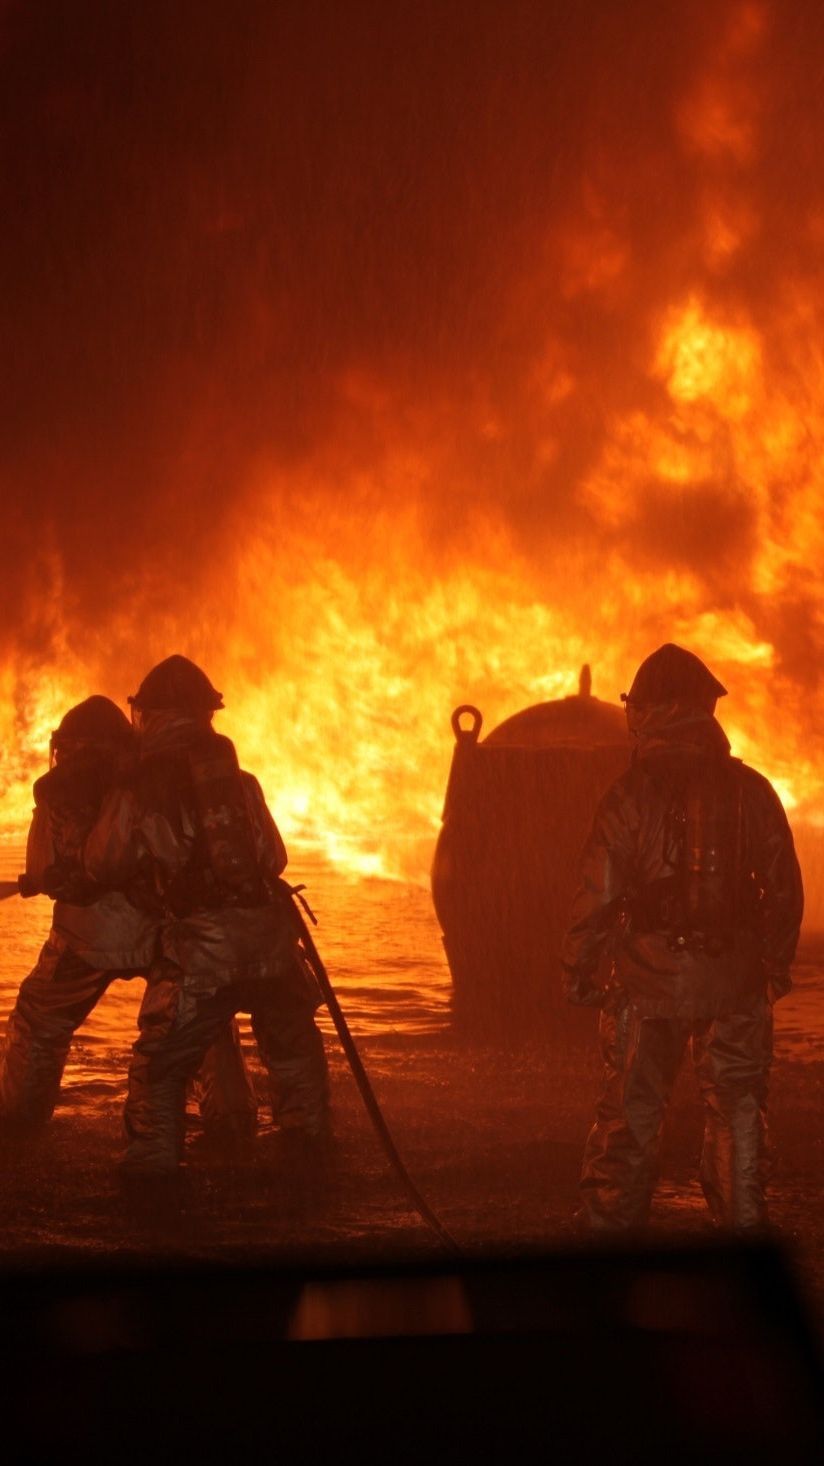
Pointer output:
x,y
193,834
96,935
690,878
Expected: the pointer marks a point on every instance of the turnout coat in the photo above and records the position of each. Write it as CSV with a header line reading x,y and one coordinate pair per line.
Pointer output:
x,y
147,841
630,849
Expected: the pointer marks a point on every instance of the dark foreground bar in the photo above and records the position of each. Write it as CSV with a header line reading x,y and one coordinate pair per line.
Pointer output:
x,y
701,1355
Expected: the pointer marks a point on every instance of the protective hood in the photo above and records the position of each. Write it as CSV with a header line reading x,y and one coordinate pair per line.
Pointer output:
x,y
170,730
675,725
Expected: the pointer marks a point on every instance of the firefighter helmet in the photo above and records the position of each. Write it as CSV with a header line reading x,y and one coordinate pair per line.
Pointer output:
x,y
177,683
672,674
96,720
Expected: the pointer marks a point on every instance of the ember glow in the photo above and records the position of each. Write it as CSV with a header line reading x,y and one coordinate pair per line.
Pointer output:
x,y
418,364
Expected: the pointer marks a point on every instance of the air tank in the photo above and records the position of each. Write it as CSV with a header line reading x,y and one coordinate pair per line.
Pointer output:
x,y
519,804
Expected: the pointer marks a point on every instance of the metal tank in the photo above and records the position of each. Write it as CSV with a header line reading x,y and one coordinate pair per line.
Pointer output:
x,y
519,804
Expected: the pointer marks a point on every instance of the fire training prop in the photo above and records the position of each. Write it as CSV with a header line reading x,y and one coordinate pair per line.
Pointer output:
x,y
355,1063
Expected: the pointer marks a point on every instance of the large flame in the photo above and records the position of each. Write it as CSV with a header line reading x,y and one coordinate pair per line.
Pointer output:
x,y
625,448
340,663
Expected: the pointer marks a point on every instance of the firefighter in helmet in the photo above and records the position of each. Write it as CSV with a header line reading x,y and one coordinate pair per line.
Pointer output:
x,y
96,935
691,888
194,839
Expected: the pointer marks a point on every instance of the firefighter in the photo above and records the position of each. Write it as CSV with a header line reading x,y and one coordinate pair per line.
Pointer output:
x,y
691,895
96,935
194,835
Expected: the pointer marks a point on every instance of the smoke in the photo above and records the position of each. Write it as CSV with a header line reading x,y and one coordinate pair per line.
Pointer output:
x,y
543,281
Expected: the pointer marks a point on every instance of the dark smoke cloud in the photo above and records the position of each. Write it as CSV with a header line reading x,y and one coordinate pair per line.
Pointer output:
x,y
217,216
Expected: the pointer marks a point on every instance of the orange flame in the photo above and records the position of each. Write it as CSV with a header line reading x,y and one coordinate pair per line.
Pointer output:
x,y
359,598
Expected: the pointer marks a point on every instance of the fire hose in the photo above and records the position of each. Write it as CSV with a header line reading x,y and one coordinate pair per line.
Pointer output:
x,y
367,1093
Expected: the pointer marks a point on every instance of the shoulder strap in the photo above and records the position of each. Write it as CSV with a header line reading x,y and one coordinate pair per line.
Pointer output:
x,y
224,821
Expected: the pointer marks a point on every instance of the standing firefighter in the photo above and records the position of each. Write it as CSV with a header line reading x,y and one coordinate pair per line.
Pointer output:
x,y
96,935
690,876
194,840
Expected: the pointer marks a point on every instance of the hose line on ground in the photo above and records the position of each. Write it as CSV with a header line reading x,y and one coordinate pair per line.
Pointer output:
x,y
362,1080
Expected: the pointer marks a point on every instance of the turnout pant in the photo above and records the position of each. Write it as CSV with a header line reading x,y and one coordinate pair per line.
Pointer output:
x,y
53,1002
642,1057
177,1027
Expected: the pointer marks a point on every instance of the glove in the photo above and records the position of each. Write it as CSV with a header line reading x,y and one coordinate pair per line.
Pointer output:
x,y
778,985
582,991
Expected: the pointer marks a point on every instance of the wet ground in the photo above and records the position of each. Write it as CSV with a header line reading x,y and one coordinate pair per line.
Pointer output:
x,y
492,1137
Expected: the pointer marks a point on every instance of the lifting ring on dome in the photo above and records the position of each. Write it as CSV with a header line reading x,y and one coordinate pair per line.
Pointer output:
x,y
467,735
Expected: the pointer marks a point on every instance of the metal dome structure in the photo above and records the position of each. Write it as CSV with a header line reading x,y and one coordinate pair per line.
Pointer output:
x,y
518,807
